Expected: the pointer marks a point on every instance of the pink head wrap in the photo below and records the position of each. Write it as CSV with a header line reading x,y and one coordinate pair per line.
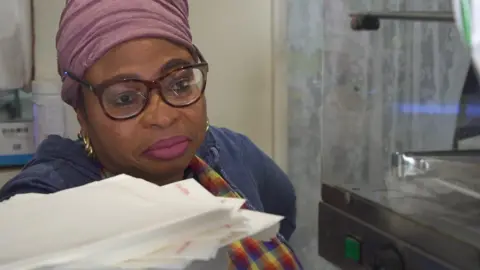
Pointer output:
x,y
90,28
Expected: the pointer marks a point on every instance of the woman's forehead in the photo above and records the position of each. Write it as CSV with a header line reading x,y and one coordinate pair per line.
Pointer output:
x,y
145,58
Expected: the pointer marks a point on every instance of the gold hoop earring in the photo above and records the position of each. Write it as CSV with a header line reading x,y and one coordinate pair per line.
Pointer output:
x,y
208,125
86,144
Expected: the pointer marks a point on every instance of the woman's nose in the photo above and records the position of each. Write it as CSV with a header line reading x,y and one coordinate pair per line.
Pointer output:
x,y
158,113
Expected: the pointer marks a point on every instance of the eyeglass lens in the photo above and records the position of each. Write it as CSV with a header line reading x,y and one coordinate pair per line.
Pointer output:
x,y
128,98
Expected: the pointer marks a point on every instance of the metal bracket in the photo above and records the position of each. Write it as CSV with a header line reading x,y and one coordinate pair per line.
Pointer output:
x,y
370,21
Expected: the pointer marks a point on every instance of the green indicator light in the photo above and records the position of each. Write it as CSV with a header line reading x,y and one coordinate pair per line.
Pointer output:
x,y
352,249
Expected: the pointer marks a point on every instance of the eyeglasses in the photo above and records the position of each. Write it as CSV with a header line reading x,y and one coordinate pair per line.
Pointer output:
x,y
125,98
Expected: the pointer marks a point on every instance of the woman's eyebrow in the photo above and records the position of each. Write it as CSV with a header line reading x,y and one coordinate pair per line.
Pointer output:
x,y
168,66
174,63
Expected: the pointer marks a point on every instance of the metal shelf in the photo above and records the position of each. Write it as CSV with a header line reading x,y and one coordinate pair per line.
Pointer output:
x,y
370,21
435,16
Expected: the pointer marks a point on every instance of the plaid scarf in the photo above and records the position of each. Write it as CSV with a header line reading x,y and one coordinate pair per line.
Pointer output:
x,y
247,254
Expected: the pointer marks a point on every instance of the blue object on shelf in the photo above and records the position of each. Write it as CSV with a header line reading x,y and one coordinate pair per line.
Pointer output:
x,y
15,160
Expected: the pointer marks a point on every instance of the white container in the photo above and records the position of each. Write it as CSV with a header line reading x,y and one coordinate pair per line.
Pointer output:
x,y
466,14
16,143
15,44
48,110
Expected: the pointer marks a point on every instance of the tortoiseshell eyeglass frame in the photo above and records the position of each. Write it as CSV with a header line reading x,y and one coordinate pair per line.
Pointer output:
x,y
99,89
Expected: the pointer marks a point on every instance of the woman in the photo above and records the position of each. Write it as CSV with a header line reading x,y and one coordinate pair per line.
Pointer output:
x,y
136,82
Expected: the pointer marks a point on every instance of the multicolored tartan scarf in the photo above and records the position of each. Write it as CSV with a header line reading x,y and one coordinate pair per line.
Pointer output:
x,y
247,254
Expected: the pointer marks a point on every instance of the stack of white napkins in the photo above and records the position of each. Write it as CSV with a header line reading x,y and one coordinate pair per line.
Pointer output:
x,y
125,223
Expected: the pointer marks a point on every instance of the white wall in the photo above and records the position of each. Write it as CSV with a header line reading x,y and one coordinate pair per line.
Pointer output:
x,y
236,39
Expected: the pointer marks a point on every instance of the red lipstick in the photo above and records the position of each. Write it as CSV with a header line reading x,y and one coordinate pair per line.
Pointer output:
x,y
168,149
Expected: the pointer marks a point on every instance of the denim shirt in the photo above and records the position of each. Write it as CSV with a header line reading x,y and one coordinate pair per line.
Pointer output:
x,y
61,163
